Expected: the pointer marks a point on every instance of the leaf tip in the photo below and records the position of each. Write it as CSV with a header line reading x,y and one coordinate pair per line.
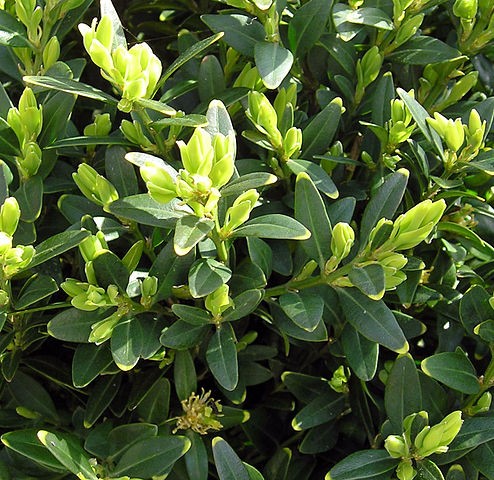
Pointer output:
x,y
42,437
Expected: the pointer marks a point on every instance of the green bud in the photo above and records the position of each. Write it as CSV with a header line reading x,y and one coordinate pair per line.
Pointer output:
x,y
437,438
4,299
30,162
159,182
380,233
263,116
339,380
101,331
198,154
451,131
10,213
218,301
292,143
239,212
405,470
149,286
342,240
101,125
5,242
475,131
16,259
465,9
104,32
369,66
396,446
408,29
224,159
73,287
248,78
414,226
94,186
92,245
51,53
133,131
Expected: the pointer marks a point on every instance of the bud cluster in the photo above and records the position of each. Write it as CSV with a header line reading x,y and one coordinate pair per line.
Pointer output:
x,y
419,440
476,28
12,258
219,301
26,121
94,186
266,118
209,163
133,72
368,68
457,135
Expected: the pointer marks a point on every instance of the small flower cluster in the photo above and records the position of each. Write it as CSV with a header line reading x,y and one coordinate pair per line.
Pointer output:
x,y
134,72
427,441
26,121
201,414
12,259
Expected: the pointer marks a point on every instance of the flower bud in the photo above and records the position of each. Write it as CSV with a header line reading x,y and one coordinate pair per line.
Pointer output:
x,y
339,380
5,242
104,32
342,240
414,226
451,131
437,438
218,301
10,213
396,446
73,287
16,259
465,9
30,162
101,331
51,53
197,155
92,245
94,186
149,286
405,470
159,182
292,142
239,212
408,29
263,116
101,125
4,299
370,65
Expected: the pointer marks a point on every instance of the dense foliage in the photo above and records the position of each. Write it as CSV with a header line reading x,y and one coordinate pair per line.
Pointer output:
x,y
246,240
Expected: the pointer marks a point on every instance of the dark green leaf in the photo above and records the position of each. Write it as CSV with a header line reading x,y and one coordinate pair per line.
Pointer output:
x,y
189,231
184,374
103,392
206,275
318,135
428,470
221,356
322,409
193,315
211,80
30,198
365,464
318,175
454,369
154,405
402,395
361,353
273,62
307,25
182,335
69,453
152,457
383,203
244,304
27,444
241,32
73,325
373,319
304,309
70,86
275,225
110,270
39,286
422,50
143,209
126,343
369,279
12,32
228,464
248,181
58,244
88,362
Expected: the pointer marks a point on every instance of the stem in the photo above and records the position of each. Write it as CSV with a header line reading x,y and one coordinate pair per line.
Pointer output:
x,y
486,383
322,279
